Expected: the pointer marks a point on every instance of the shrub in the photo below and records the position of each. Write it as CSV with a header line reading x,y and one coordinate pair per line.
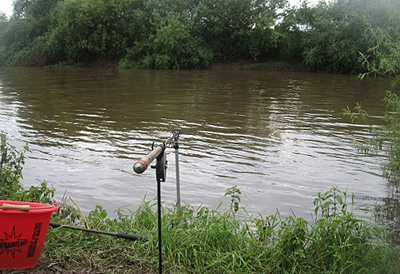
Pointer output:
x,y
11,164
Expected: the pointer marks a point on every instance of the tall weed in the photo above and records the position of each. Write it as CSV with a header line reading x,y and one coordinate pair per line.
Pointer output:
x,y
204,240
11,165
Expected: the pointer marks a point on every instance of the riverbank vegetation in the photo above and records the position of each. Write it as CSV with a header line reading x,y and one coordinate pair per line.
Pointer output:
x,y
385,137
204,240
180,34
386,64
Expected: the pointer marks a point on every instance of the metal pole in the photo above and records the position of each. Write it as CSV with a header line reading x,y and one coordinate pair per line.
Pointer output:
x,y
141,165
178,184
159,226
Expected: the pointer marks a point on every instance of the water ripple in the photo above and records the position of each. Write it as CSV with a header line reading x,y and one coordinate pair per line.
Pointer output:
x,y
280,137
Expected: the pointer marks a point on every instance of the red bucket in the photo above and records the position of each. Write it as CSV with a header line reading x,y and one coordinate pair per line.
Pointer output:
x,y
23,228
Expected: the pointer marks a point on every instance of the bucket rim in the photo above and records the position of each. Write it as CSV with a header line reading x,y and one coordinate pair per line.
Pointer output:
x,y
35,208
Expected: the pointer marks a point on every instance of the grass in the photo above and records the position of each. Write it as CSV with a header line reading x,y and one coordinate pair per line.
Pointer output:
x,y
203,240
208,241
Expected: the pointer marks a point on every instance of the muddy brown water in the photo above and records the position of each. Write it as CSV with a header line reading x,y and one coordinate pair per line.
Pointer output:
x,y
280,137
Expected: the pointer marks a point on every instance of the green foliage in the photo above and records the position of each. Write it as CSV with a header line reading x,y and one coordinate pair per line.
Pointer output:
x,y
41,193
81,30
338,232
3,17
331,36
234,192
179,34
332,203
11,164
171,47
21,38
358,114
203,240
389,137
386,137
383,58
237,29
16,36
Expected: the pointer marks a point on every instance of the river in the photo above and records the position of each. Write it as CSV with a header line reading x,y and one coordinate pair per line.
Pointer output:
x,y
279,137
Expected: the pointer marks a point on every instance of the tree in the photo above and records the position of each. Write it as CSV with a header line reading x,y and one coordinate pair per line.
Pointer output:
x,y
383,58
329,37
264,37
171,47
88,30
38,13
334,36
237,29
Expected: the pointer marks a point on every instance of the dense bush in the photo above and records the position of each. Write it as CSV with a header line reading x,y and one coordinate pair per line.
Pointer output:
x,y
171,34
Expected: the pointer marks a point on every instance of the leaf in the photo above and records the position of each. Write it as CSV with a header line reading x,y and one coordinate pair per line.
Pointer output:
x,y
339,199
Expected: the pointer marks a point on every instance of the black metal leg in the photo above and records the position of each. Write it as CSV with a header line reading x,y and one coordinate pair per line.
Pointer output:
x,y
159,226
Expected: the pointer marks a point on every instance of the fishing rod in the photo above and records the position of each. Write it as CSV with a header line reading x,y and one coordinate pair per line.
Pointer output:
x,y
141,165
130,237
27,208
